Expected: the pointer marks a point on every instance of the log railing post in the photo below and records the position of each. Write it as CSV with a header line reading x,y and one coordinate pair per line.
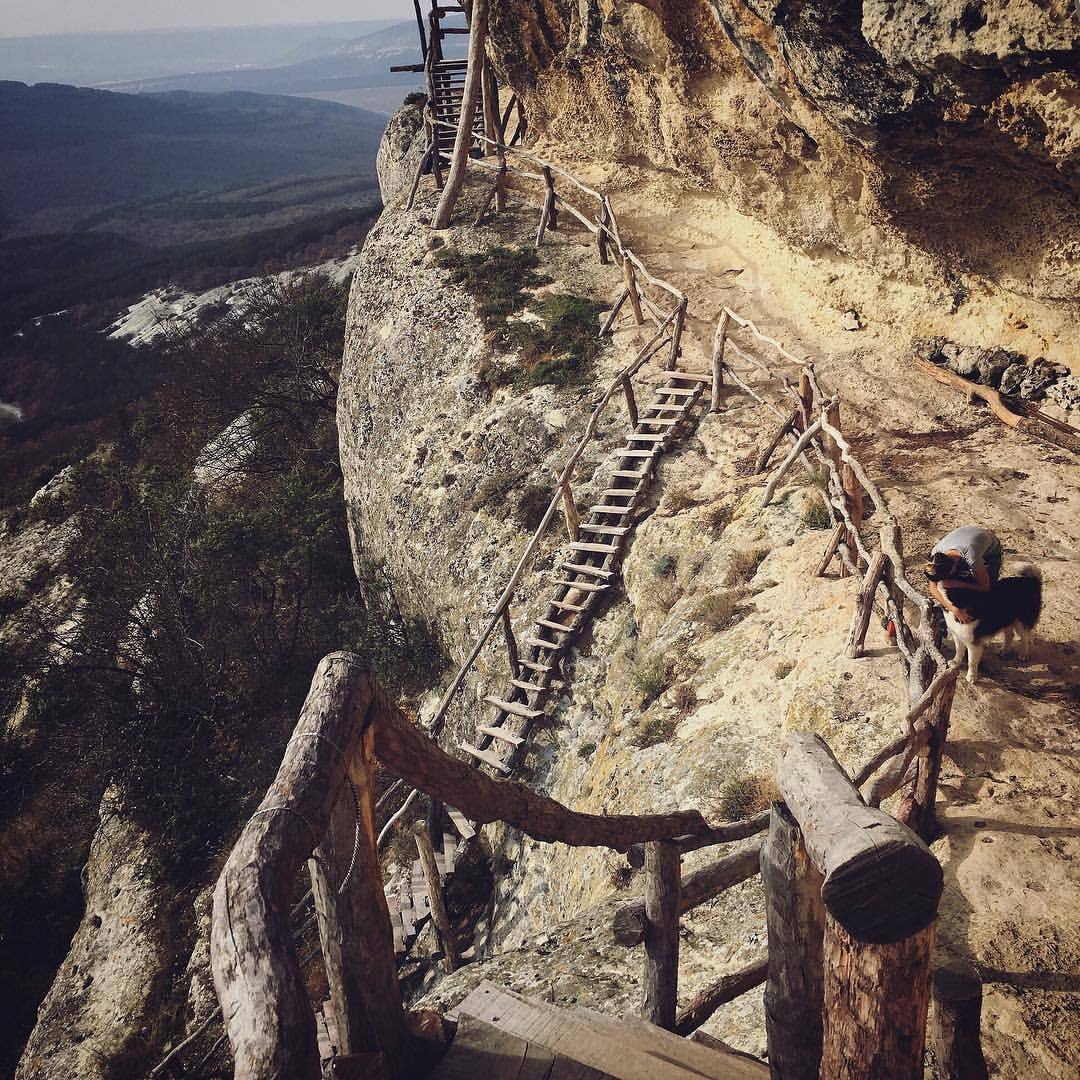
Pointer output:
x,y
570,513
511,644
806,400
549,214
632,290
660,984
451,956
602,235
917,809
719,341
631,403
835,539
864,605
795,916
676,335
955,1017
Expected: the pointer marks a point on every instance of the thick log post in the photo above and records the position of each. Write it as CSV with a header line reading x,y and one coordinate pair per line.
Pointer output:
x,y
955,1018
882,883
875,1005
257,975
661,981
676,335
806,400
632,289
719,341
570,513
726,988
511,644
451,956
864,605
474,77
631,403
917,809
795,916
328,869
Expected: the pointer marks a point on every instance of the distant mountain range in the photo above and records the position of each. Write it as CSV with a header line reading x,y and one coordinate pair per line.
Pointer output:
x,y
71,153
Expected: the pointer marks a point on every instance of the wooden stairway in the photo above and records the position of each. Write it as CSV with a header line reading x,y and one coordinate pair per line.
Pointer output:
x,y
585,575
447,77
503,1036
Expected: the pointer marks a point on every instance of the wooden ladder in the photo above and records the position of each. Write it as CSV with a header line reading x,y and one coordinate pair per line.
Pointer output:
x,y
585,576
448,77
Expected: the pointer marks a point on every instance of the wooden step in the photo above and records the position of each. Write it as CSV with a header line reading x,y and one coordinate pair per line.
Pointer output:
x,y
521,684
660,421
558,627
602,549
616,511
515,708
693,376
535,665
677,391
562,605
461,823
648,436
604,530
611,493
500,734
638,453
585,568
583,586
540,643
486,756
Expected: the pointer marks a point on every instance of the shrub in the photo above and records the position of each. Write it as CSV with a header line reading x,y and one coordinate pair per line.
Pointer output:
x,y
684,698
559,348
651,679
744,565
784,669
655,730
746,795
720,610
664,565
679,499
716,518
663,592
496,278
816,514
532,504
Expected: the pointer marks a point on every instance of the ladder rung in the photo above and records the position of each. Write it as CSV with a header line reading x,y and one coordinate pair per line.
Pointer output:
x,y
630,474
660,421
693,376
604,530
677,391
585,568
609,493
584,586
515,708
562,628
486,756
617,511
637,453
540,643
498,733
562,605
645,436
521,684
534,665
603,549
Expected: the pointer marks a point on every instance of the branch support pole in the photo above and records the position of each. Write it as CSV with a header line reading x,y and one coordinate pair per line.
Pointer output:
x,y
632,289
511,644
864,605
451,958
660,982
719,341
549,215
631,403
570,511
676,335
602,235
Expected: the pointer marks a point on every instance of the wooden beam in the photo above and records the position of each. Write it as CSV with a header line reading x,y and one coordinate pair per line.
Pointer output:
x,y
864,606
451,956
511,644
474,75
795,916
631,403
632,290
955,1019
882,883
570,514
835,540
257,974
719,343
409,753
726,988
703,885
876,997
661,979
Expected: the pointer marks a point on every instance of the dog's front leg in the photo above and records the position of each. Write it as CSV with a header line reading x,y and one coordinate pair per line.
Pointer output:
x,y
974,656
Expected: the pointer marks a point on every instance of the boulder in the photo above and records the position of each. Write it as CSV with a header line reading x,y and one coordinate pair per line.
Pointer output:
x,y
403,145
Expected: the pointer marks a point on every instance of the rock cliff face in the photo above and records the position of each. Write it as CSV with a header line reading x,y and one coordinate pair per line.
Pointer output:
x,y
923,140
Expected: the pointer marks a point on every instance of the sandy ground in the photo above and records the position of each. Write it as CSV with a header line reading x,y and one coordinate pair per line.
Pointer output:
x,y
1009,803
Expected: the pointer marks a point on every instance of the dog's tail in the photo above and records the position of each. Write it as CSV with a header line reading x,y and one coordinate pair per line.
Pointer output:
x,y
1031,607
1028,570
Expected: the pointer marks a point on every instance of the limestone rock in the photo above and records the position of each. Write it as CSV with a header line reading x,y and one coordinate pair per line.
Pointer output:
x,y
400,151
1065,393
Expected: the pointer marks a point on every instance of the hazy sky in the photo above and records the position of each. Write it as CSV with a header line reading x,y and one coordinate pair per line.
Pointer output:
x,y
19,17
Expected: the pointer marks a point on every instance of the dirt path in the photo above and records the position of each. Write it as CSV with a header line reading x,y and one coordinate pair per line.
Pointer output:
x,y
1010,796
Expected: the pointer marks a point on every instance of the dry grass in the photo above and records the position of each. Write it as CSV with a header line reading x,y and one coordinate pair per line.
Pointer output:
x,y
679,499
720,610
684,698
651,678
745,796
663,593
656,729
744,565
816,515
716,518
784,669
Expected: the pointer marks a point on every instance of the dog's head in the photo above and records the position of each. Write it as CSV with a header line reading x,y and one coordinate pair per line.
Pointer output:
x,y
942,566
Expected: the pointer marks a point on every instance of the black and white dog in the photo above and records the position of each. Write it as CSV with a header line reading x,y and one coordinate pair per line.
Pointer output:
x,y
1012,606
